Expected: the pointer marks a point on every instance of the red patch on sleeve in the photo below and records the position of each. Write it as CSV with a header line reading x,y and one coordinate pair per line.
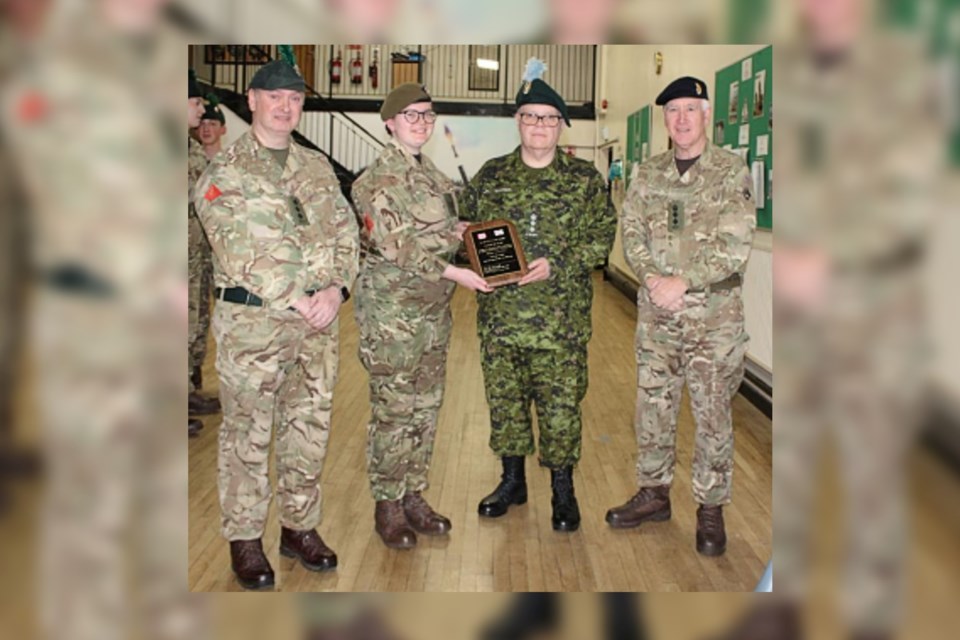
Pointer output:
x,y
368,222
32,108
212,193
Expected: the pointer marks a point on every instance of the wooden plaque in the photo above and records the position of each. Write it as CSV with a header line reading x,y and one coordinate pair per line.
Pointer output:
x,y
495,252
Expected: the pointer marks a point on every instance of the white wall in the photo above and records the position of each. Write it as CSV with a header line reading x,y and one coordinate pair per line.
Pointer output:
x,y
627,78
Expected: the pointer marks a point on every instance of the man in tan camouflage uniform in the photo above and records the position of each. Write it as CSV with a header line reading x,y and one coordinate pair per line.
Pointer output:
x,y
199,269
285,247
410,232
687,224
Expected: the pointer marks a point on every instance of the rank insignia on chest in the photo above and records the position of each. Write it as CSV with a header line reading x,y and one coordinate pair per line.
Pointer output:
x,y
298,213
675,216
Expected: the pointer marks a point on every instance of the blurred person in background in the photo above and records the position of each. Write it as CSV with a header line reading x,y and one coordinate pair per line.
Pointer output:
x,y
213,126
688,222
286,243
534,334
531,615
96,123
22,22
860,147
199,268
410,232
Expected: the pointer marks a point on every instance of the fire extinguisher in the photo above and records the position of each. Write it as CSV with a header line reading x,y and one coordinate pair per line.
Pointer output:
x,y
356,70
336,67
374,79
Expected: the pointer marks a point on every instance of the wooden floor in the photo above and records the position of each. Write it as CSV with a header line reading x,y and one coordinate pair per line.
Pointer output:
x,y
519,552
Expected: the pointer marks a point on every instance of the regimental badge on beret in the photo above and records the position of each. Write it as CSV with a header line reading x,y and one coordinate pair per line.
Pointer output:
x,y
699,90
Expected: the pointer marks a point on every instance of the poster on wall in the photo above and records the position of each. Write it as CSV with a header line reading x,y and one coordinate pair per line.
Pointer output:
x,y
718,132
759,93
744,138
746,69
759,174
733,101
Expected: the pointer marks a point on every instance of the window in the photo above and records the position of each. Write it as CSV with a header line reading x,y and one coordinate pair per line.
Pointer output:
x,y
484,74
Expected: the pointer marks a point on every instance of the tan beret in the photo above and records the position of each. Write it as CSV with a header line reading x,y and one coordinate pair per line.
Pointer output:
x,y
402,97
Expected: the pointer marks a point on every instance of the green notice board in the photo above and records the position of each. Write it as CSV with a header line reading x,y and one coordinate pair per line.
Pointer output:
x,y
743,122
638,138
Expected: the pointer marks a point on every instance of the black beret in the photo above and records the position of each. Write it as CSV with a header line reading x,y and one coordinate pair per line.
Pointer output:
x,y
278,74
212,109
685,87
194,88
539,92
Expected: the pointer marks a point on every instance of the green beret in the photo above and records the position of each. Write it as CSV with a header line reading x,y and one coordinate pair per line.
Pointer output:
x,y
534,90
278,74
194,88
213,111
685,87
402,97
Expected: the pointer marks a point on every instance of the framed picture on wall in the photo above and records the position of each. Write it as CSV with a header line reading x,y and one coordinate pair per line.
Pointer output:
x,y
484,72
733,102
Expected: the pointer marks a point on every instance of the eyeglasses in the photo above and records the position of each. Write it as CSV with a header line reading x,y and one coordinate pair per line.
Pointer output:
x,y
531,119
412,116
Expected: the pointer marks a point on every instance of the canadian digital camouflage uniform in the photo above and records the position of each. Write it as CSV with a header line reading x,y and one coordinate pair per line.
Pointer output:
x,y
278,232
407,211
200,268
699,226
534,338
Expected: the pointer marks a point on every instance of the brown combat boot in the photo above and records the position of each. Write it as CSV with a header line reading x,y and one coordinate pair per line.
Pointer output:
x,y
422,517
650,503
250,565
198,405
392,525
711,537
193,427
309,547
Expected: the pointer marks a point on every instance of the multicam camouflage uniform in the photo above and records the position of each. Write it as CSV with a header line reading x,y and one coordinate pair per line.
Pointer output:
x,y
699,226
199,266
858,188
408,215
278,232
534,338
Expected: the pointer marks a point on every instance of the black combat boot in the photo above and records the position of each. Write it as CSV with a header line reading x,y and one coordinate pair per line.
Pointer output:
x,y
527,617
566,512
511,490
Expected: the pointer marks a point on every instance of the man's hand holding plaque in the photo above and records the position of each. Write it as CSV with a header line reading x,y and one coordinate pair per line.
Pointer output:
x,y
495,252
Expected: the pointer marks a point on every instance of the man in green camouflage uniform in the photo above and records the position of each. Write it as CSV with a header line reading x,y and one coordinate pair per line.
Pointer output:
x,y
534,334
199,268
409,232
688,223
285,245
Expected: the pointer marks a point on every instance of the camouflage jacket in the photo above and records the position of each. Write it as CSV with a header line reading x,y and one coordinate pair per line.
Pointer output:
x,y
196,163
276,231
562,213
699,225
408,217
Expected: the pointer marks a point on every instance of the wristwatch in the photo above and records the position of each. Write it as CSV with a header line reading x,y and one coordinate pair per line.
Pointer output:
x,y
344,294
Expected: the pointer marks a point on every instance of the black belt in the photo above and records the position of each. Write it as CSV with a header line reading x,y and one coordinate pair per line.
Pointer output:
x,y
75,279
727,283
239,295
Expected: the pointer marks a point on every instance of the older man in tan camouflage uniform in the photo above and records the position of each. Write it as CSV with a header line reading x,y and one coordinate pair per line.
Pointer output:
x,y
688,223
410,232
285,249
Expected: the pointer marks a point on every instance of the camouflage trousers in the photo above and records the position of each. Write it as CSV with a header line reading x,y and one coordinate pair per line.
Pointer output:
x,y
857,385
555,380
200,268
273,369
407,368
703,345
